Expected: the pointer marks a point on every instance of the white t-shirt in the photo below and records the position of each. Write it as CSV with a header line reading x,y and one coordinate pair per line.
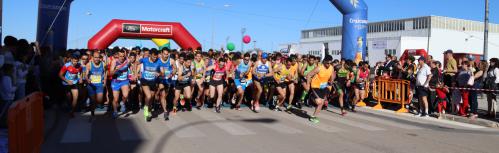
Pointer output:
x,y
422,75
495,73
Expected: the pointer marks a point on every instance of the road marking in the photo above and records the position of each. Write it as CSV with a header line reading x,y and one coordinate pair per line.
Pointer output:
x,y
383,121
303,121
77,130
182,129
223,124
351,123
131,129
278,127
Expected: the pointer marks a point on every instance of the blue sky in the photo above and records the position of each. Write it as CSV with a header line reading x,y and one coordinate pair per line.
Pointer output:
x,y
268,22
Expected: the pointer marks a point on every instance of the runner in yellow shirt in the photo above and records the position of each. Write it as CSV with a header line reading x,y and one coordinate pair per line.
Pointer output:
x,y
322,76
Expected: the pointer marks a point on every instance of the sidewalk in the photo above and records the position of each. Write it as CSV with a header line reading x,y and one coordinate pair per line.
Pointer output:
x,y
482,120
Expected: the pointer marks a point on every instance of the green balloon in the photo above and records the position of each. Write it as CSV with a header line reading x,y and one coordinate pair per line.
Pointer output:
x,y
231,46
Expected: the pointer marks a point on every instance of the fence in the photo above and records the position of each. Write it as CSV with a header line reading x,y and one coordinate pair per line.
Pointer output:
x,y
391,91
25,123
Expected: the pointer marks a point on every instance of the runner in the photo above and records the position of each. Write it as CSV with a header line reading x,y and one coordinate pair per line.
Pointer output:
x,y
83,98
132,76
282,76
70,74
262,70
96,74
166,83
307,67
120,82
342,82
199,73
242,77
361,77
321,76
292,79
217,82
184,77
150,71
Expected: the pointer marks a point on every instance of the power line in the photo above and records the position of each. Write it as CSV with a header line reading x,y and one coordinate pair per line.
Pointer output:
x,y
245,13
311,13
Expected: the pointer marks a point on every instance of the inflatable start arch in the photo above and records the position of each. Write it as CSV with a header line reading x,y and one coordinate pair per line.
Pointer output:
x,y
142,30
354,30
53,17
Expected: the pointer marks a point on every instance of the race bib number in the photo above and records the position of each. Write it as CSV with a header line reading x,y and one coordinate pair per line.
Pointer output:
x,y
149,75
95,79
71,76
167,74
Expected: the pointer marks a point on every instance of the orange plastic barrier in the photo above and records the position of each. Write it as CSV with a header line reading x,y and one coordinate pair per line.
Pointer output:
x,y
366,94
26,124
391,91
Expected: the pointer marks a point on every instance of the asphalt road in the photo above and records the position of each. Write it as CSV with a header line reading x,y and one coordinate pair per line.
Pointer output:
x,y
268,132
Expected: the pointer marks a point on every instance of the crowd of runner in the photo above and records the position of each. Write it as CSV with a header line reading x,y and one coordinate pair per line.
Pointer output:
x,y
167,81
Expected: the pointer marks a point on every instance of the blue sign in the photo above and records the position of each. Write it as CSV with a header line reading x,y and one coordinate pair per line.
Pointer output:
x,y
354,32
56,12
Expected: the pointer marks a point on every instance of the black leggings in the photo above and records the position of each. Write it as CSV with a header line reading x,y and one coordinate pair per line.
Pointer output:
x,y
473,99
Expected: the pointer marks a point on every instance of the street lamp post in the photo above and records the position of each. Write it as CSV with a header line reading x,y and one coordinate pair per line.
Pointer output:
x,y
243,30
486,32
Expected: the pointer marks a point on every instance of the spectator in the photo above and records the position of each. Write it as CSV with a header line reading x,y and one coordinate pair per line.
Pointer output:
x,y
491,81
7,88
21,74
423,78
450,69
478,77
463,78
435,80
388,64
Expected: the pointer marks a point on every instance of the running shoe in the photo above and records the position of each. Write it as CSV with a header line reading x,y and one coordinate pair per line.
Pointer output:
x,y
289,107
146,112
314,120
298,105
115,115
166,116
217,109
122,108
175,111
277,109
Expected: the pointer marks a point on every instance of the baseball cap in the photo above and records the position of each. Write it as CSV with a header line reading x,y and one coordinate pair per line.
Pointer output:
x,y
265,55
448,51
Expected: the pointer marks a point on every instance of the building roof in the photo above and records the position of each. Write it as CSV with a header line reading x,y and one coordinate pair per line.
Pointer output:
x,y
406,24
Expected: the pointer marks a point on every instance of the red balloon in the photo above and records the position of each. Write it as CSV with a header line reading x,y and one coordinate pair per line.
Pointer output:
x,y
246,39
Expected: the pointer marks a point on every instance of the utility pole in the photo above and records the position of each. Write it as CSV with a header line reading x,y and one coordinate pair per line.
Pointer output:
x,y
243,30
486,32
1,14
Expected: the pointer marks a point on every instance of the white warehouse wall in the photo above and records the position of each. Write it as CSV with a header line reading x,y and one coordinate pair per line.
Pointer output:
x,y
461,42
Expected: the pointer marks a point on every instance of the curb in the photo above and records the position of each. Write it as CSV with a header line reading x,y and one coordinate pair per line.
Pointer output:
x,y
463,121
